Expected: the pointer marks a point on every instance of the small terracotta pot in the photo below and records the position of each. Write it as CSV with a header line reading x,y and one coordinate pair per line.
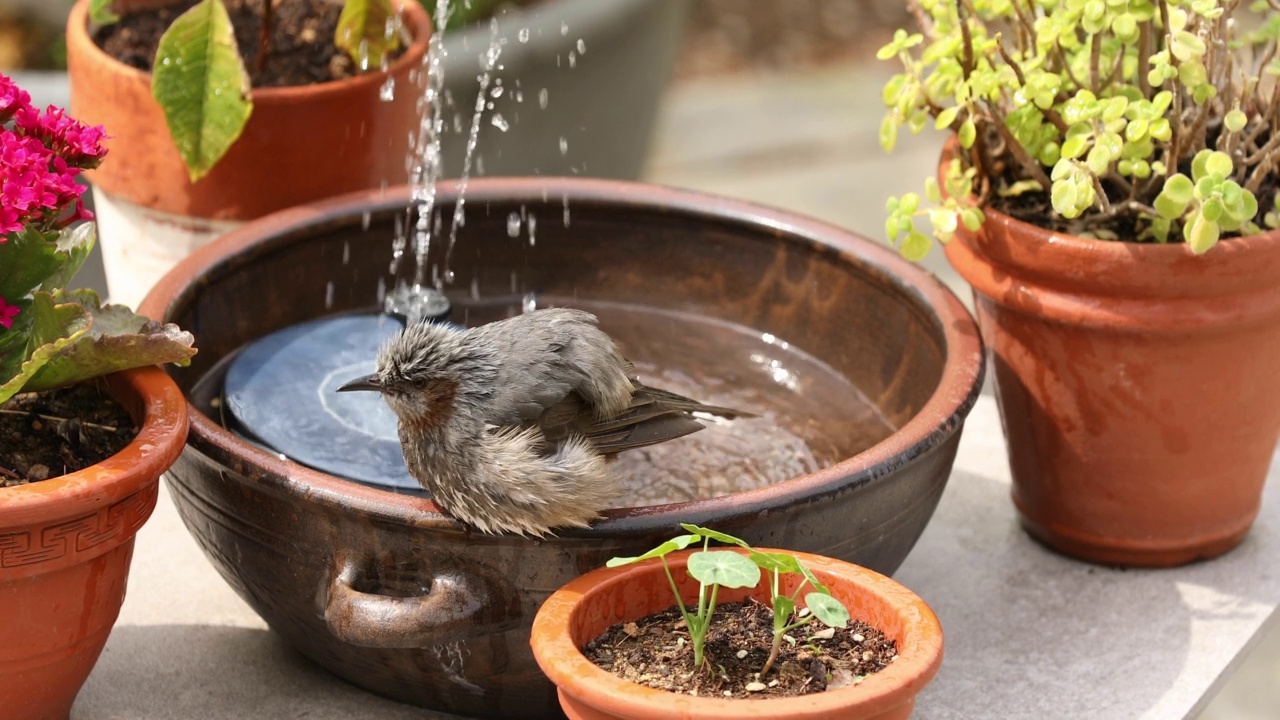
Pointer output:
x,y
65,548
300,144
1136,384
583,609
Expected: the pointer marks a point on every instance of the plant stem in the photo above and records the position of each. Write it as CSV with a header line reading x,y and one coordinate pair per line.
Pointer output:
x,y
773,654
264,39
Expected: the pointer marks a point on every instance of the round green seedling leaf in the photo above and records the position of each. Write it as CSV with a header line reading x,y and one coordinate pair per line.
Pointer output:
x,y
1179,189
776,562
829,610
915,246
724,568
1218,163
1235,120
714,535
679,542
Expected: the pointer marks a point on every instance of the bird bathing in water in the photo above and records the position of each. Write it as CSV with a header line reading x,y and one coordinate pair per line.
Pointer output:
x,y
510,425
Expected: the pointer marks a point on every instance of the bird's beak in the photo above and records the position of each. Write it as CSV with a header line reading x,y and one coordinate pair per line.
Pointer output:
x,y
368,382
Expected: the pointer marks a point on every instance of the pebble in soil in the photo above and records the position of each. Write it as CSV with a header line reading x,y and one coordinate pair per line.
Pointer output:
x,y
655,651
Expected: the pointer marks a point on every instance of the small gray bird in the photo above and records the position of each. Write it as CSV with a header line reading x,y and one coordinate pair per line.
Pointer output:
x,y
510,425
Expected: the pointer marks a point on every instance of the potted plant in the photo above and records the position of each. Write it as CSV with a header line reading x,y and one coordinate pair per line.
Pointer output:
x,y
779,646
246,113
86,429
1110,189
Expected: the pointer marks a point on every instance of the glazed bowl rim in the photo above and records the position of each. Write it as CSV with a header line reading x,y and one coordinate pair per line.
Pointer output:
x,y
932,426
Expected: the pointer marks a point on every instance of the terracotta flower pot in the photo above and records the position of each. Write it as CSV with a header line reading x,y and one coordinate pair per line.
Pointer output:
x,y
1136,384
583,609
65,547
300,144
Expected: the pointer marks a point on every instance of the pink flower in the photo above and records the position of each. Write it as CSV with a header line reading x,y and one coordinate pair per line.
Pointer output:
x,y
71,139
7,313
12,98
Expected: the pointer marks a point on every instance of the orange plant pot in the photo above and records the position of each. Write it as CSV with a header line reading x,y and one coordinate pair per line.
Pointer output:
x,y
65,548
1136,385
300,144
583,609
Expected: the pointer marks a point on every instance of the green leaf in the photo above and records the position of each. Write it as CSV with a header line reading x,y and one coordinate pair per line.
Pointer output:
x,y
116,339
49,327
931,190
1198,170
715,535
74,244
26,259
946,117
776,562
1179,189
1063,197
829,610
783,606
365,32
1203,235
915,246
725,568
1074,147
201,84
889,132
1235,120
1218,163
679,542
972,217
101,13
1168,207
967,134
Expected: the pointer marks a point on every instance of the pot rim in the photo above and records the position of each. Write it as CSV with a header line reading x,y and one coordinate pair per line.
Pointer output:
x,y
938,419
159,442
920,650
413,13
1074,264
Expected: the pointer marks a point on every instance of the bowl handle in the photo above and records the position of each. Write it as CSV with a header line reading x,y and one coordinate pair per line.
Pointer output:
x,y
458,604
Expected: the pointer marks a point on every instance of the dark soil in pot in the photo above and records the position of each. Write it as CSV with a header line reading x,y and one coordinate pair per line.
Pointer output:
x,y
302,50
654,651
52,433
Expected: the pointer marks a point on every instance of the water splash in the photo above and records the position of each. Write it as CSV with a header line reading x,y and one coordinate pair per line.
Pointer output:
x,y
542,98
529,303
513,225
424,173
499,122
488,64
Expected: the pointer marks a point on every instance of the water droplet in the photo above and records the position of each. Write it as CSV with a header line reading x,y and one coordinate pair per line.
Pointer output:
x,y
387,92
346,252
328,295
449,276
166,61
523,35
566,211
573,59
530,302
542,98
496,92
500,122
519,96
582,47
365,219
564,28
513,225
532,223
564,145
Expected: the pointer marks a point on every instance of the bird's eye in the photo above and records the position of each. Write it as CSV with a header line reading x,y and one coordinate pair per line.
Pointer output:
x,y
419,383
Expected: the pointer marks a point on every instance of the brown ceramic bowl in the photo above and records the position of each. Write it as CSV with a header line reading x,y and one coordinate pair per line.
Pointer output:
x,y
384,590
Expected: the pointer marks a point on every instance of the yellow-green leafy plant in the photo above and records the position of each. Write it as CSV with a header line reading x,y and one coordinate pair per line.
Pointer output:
x,y
200,80
1136,120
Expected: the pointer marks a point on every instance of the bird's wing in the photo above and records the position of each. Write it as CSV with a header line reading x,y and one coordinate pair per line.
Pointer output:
x,y
653,416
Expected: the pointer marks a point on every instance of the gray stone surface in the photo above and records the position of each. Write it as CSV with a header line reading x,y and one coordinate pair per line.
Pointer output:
x,y
1031,634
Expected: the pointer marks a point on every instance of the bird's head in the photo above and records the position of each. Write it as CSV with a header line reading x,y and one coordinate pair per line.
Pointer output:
x,y
413,370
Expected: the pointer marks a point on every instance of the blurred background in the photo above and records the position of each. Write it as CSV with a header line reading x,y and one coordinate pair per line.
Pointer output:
x,y
773,101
